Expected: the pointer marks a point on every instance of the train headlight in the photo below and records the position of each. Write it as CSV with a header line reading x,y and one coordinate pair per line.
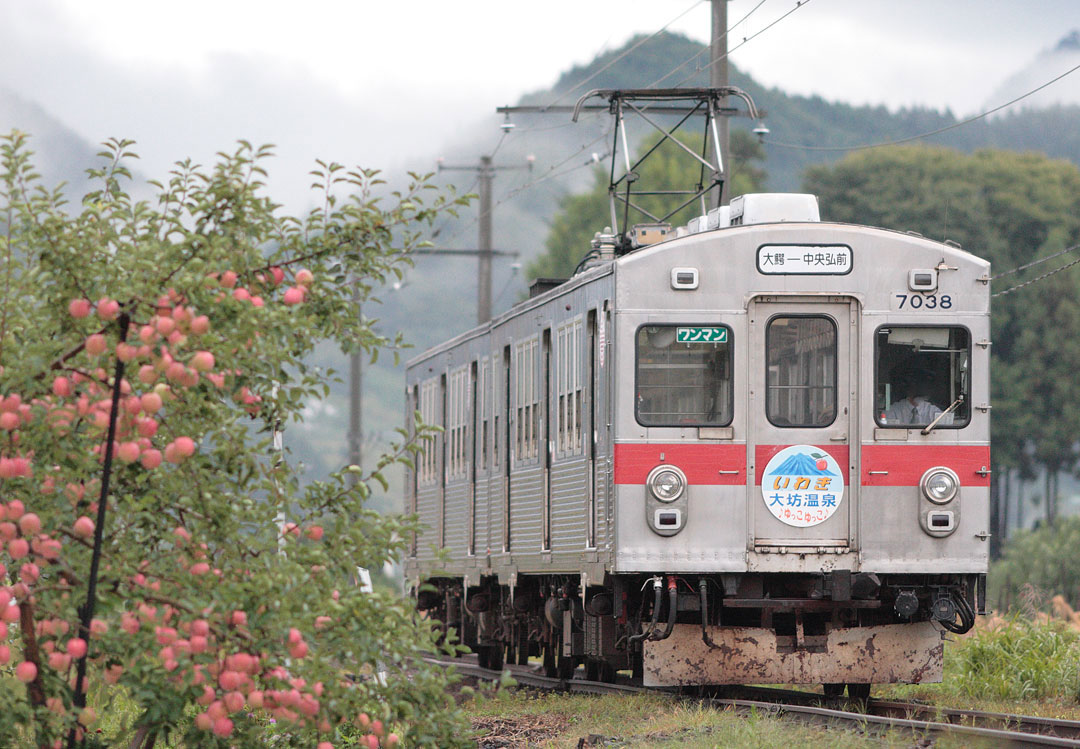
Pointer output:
x,y
666,483
940,485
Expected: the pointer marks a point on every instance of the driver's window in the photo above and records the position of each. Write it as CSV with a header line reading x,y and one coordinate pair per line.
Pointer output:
x,y
922,373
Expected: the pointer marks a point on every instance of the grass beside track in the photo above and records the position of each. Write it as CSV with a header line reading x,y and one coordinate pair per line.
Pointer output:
x,y
528,719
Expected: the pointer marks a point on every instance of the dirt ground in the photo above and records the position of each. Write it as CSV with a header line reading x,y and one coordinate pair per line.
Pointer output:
x,y
518,732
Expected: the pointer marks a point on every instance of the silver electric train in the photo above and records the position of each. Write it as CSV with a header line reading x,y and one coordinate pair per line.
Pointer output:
x,y
754,449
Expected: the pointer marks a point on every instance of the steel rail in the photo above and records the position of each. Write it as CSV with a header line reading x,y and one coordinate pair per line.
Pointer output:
x,y
1067,729
1061,728
880,715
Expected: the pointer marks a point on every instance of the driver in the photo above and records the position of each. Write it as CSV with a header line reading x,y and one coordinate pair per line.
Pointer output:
x,y
915,408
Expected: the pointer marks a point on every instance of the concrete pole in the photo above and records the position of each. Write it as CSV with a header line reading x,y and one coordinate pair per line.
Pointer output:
x,y
483,281
718,78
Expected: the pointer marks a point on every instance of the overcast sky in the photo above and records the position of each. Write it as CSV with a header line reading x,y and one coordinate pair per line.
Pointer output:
x,y
379,83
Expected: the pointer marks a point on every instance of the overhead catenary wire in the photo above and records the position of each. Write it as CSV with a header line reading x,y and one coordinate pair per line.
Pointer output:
x,y
938,131
798,4
552,173
662,78
509,280
1033,263
727,31
548,175
620,56
1044,276
671,72
502,139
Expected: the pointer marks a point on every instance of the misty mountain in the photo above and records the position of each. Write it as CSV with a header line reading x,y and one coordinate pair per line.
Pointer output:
x,y
61,155
1049,64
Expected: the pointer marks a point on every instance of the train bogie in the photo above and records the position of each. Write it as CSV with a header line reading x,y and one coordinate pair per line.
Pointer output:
x,y
772,432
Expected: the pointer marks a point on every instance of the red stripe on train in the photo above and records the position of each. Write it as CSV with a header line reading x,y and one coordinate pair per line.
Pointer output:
x,y
906,464
702,464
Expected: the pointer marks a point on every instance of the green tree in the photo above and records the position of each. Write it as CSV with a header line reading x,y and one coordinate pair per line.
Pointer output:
x,y
1037,565
668,168
148,354
1010,208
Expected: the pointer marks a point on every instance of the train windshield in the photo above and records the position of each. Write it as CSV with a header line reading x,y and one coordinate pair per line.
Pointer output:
x,y
922,373
684,375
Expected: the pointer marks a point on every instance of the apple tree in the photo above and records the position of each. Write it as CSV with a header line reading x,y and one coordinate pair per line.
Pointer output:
x,y
156,551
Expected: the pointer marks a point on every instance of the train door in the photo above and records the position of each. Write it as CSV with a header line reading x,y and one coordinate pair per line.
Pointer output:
x,y
589,433
475,449
507,456
544,435
802,419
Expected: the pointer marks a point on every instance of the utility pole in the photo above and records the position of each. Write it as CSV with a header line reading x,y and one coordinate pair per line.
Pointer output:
x,y
485,171
483,277
356,364
718,78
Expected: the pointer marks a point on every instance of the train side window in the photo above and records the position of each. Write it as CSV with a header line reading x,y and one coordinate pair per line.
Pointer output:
x,y
429,414
527,400
801,374
919,373
457,431
684,376
568,386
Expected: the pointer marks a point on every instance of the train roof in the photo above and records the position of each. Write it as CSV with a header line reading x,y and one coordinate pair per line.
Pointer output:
x,y
783,213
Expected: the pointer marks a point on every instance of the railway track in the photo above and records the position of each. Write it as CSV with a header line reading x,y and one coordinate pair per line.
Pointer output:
x,y
872,716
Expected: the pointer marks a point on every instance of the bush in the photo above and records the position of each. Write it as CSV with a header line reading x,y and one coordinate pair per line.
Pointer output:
x,y
1017,659
1036,564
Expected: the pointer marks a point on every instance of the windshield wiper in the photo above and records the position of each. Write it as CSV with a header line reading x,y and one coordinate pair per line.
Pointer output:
x,y
930,427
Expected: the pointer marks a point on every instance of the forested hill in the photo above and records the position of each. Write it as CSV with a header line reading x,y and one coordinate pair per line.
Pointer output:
x,y
813,121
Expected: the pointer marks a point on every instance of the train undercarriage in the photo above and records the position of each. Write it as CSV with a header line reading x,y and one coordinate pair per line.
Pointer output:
x,y
839,629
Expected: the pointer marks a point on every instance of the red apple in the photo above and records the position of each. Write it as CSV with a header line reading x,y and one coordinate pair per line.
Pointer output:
x,y
79,308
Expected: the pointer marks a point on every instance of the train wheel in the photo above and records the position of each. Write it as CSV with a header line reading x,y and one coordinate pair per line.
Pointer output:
x,y
523,646
490,656
567,666
858,691
550,669
833,690
599,670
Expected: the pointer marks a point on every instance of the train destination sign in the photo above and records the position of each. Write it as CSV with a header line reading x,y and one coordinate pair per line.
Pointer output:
x,y
701,335
804,259
802,486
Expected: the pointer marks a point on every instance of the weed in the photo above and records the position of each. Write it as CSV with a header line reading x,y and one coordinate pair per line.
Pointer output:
x,y
1020,659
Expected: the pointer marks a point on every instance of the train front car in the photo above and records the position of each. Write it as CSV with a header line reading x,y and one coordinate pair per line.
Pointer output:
x,y
801,454
756,451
